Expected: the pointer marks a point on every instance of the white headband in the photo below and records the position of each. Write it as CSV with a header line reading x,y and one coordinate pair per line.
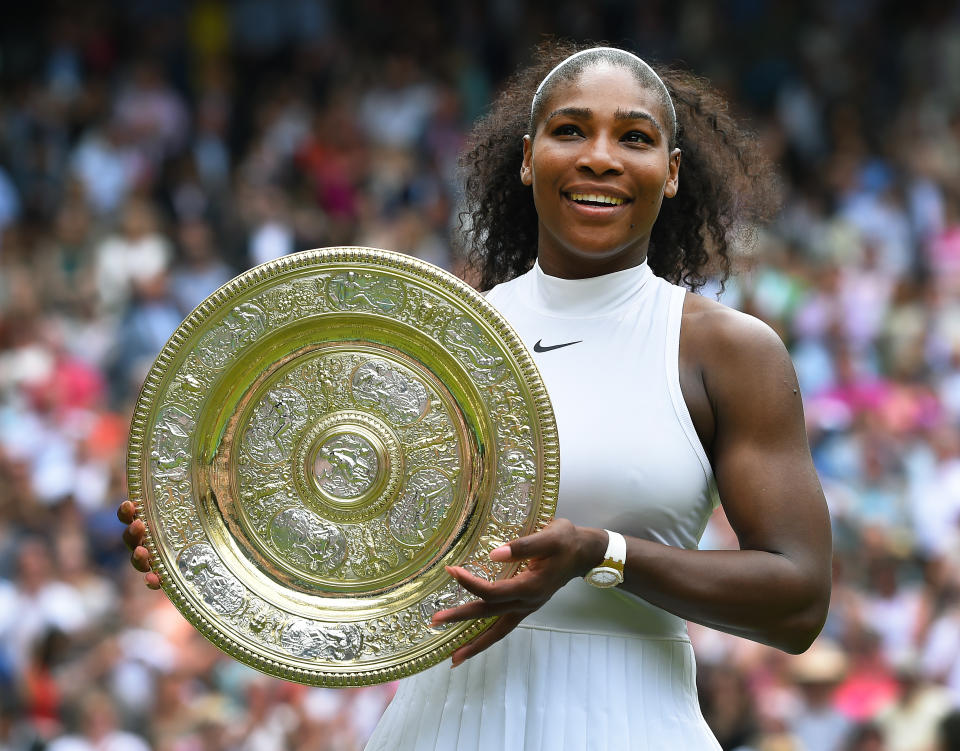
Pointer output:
x,y
597,49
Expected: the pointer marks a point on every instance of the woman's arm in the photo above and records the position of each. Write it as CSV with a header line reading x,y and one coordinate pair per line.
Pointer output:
x,y
776,588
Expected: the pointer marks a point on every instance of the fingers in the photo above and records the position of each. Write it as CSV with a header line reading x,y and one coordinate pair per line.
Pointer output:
x,y
133,538
515,598
522,548
140,558
127,512
545,542
488,638
477,609
133,534
499,591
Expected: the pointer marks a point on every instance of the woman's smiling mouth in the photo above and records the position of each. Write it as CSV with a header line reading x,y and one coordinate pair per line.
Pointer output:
x,y
594,199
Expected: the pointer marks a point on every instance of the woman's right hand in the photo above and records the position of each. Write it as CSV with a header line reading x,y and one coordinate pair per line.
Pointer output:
x,y
133,537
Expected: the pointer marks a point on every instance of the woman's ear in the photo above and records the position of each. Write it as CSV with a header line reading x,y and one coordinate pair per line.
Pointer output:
x,y
526,166
673,175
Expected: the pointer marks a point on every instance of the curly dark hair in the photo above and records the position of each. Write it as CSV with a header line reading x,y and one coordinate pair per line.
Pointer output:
x,y
726,186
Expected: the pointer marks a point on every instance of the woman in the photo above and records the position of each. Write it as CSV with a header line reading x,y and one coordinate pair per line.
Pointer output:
x,y
664,400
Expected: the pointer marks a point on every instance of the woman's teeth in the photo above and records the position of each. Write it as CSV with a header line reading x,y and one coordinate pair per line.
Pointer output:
x,y
594,198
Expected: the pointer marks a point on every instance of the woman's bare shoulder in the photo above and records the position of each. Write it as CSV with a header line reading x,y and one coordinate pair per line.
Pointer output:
x,y
722,336
742,363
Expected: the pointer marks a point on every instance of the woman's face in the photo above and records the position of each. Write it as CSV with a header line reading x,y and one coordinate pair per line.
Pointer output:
x,y
599,164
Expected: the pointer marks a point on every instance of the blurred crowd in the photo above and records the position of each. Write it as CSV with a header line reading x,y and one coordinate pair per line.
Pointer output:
x,y
152,149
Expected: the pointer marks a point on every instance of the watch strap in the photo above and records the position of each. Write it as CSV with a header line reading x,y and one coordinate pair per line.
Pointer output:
x,y
616,554
610,571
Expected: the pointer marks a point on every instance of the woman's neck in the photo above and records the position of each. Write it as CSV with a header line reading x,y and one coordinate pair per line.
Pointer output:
x,y
574,265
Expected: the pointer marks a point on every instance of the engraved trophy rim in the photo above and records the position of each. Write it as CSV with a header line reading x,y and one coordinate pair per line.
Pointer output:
x,y
261,592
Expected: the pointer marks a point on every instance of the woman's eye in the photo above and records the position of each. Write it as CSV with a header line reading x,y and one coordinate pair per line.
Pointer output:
x,y
637,136
566,130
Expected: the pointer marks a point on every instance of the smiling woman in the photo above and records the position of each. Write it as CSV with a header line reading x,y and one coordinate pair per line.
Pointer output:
x,y
591,196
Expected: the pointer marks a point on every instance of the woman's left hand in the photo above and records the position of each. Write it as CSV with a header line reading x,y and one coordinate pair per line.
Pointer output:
x,y
555,555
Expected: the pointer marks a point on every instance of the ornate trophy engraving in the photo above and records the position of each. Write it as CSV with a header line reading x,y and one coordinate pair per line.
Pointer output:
x,y
317,441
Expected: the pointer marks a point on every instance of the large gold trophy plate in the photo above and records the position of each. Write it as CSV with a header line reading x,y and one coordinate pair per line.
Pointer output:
x,y
317,440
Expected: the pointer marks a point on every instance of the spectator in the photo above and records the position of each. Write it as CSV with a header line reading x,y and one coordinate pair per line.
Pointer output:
x,y
139,253
911,724
817,673
201,269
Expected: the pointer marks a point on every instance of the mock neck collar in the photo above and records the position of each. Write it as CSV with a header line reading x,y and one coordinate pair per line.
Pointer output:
x,y
593,296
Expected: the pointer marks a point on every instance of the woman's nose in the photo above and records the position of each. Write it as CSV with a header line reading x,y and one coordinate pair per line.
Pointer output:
x,y
598,156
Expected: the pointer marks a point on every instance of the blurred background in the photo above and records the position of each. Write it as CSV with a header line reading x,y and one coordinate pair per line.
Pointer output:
x,y
152,149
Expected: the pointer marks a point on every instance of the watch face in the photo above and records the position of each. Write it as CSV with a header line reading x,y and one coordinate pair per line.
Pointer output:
x,y
604,577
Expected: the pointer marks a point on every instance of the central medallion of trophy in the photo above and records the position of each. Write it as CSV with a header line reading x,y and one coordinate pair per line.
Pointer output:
x,y
348,466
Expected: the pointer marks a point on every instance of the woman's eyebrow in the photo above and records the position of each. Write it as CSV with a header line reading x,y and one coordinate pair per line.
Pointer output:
x,y
582,113
637,115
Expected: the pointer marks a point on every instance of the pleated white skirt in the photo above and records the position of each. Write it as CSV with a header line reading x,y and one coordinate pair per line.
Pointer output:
x,y
543,689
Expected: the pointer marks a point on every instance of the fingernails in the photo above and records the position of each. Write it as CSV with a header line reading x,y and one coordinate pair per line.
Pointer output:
x,y
500,554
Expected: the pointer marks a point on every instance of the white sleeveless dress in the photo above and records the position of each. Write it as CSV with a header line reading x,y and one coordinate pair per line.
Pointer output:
x,y
592,670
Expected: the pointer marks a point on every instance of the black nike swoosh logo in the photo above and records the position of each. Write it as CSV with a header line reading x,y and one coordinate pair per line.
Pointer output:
x,y
540,348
